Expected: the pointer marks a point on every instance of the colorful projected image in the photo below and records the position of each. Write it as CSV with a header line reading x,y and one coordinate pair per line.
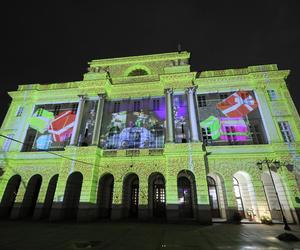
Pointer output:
x,y
132,128
239,104
180,118
50,126
229,118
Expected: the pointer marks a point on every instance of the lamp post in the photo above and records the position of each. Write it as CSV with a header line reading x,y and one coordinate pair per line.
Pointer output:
x,y
276,164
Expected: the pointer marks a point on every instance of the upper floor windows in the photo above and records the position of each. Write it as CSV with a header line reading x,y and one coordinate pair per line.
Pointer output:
x,y
272,95
202,101
116,107
230,118
286,131
136,106
20,111
155,104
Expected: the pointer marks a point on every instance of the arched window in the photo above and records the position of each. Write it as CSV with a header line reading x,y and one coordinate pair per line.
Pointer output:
x,y
238,197
138,72
213,197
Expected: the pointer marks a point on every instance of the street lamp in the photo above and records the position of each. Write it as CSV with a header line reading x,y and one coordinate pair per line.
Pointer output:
x,y
276,164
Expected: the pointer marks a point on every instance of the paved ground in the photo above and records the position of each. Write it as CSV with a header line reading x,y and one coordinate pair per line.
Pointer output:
x,y
129,235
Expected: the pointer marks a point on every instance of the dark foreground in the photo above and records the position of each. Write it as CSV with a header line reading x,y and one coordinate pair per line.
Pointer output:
x,y
129,235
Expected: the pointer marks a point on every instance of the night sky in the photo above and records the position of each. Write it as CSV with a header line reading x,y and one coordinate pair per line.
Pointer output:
x,y
52,42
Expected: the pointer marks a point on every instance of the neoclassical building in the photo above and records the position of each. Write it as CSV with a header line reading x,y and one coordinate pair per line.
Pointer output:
x,y
144,137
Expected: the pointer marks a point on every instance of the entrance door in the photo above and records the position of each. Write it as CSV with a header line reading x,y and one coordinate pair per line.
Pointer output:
x,y
185,197
159,200
134,199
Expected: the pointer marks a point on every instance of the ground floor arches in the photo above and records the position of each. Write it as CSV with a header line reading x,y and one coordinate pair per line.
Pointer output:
x,y
217,195
49,197
187,196
105,195
130,197
30,196
157,195
72,196
9,196
272,200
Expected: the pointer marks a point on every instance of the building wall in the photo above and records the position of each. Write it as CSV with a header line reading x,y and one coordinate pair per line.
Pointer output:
x,y
192,159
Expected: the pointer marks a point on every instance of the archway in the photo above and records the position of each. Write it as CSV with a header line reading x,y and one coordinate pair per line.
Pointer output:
x,y
220,195
131,195
157,195
9,196
244,195
272,200
72,196
105,195
213,197
49,196
186,193
31,195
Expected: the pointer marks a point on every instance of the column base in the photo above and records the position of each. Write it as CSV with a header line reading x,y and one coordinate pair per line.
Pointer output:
x,y
116,212
172,211
87,212
204,214
143,212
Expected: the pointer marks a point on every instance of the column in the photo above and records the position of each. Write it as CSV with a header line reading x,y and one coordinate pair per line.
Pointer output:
x,y
76,128
169,115
98,119
190,92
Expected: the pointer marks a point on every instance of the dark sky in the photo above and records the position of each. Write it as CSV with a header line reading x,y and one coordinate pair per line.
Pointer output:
x,y
52,42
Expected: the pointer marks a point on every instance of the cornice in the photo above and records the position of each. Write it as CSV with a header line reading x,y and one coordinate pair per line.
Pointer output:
x,y
140,59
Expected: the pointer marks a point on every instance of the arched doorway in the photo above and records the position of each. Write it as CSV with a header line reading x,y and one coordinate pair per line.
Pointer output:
x,y
157,195
245,195
30,197
72,196
131,195
9,196
272,199
49,196
238,197
213,197
186,193
105,195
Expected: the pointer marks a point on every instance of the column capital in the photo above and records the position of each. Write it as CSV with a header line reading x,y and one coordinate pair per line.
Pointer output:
x,y
169,91
191,90
82,97
101,95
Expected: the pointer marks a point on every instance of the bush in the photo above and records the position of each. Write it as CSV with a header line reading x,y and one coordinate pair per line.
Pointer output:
x,y
266,219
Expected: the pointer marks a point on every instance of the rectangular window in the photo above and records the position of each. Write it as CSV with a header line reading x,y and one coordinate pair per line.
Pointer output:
x,y
155,104
286,131
20,111
56,109
136,106
202,101
256,134
74,108
231,134
206,135
272,95
117,107
223,96
7,143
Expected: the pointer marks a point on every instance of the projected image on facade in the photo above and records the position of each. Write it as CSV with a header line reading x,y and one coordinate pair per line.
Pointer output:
x,y
133,124
230,118
182,133
50,126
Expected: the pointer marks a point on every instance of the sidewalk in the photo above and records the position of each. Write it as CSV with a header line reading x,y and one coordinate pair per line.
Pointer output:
x,y
130,235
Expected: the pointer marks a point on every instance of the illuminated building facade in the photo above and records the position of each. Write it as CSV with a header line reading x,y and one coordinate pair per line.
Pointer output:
x,y
145,137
